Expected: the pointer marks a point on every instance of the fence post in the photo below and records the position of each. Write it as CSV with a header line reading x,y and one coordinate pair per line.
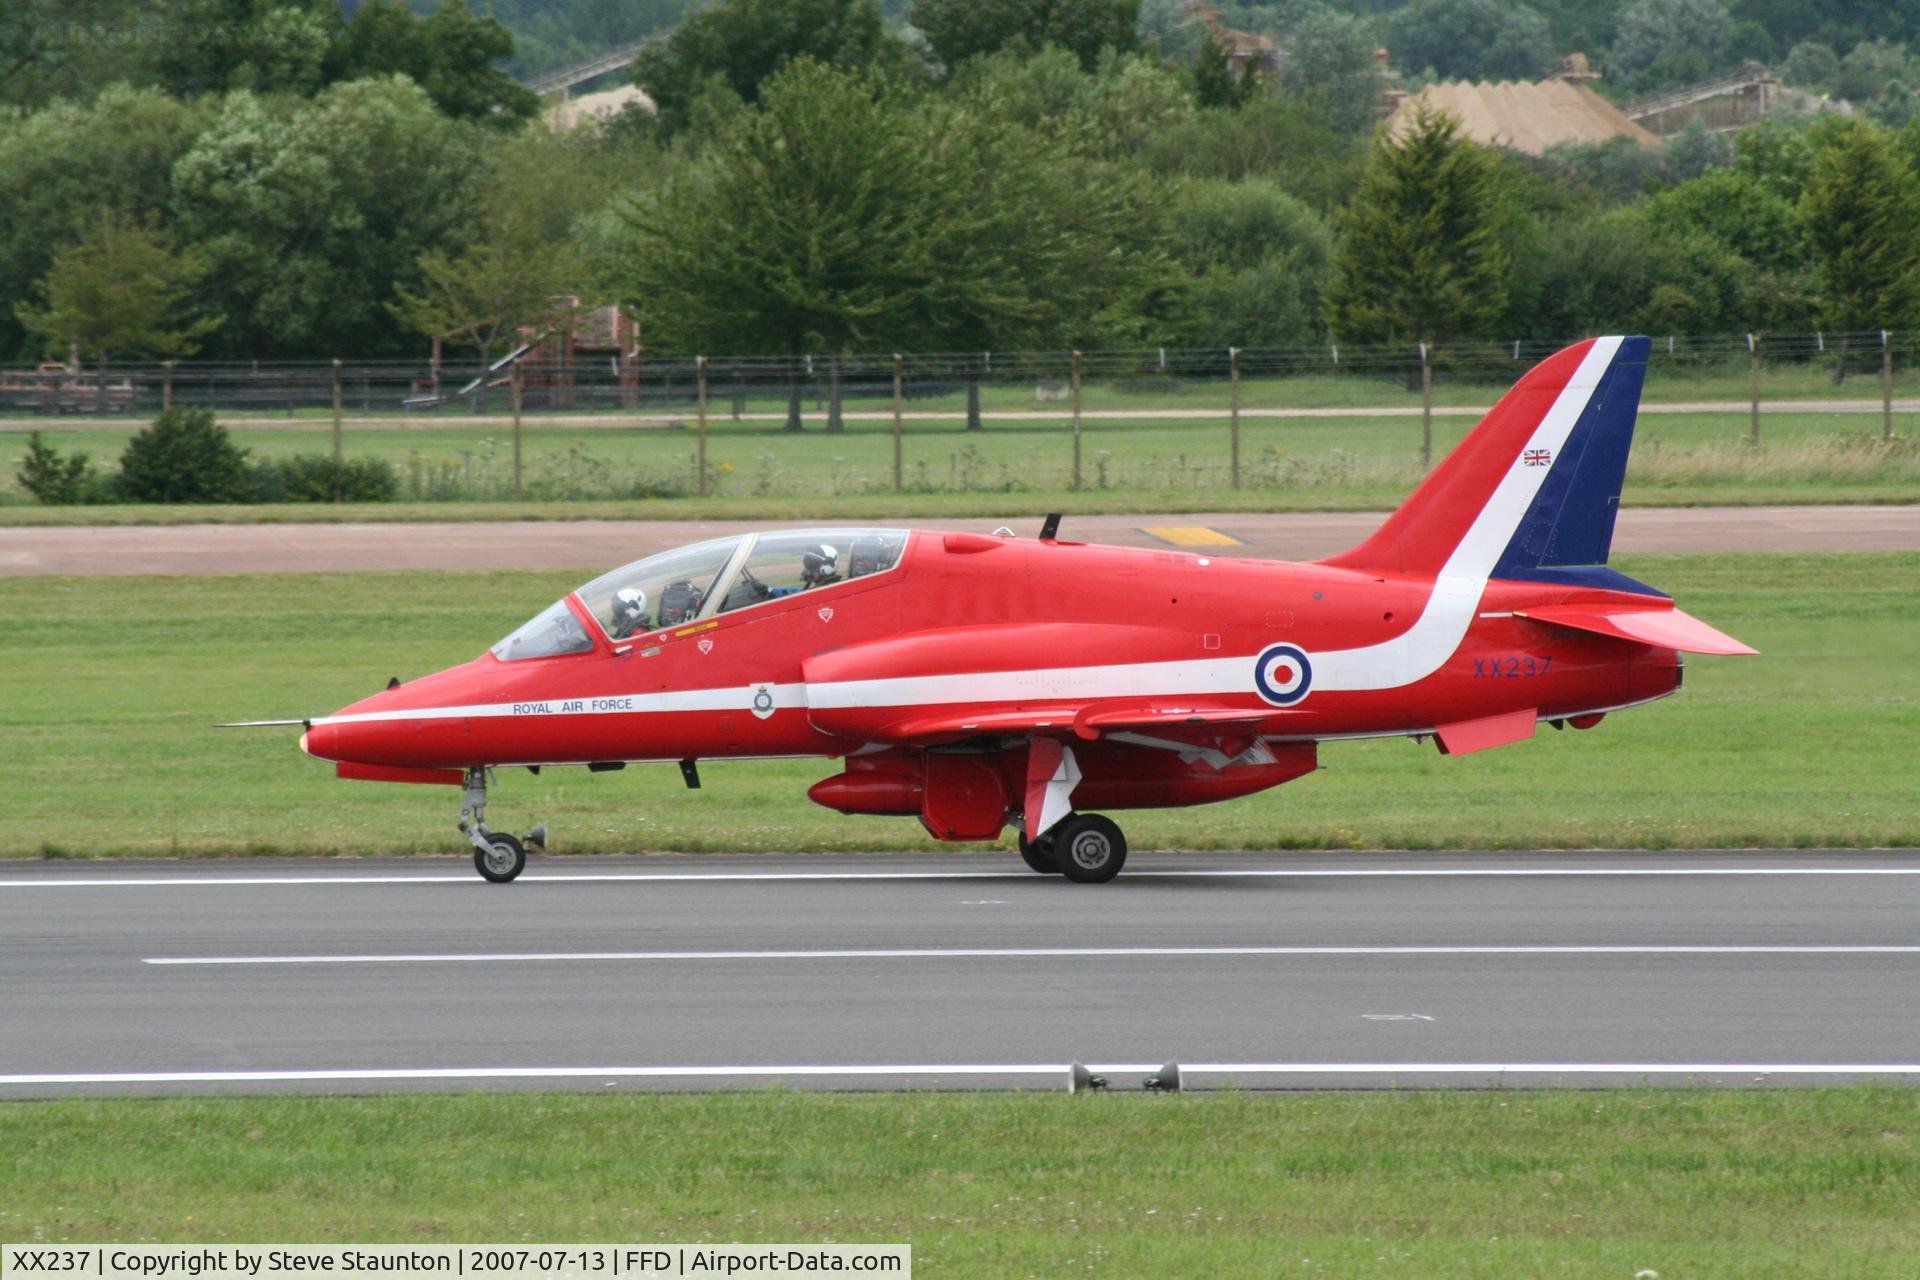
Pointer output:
x,y
1233,361
166,384
973,390
1753,357
898,396
1886,387
700,461
337,440
1426,409
1076,422
513,385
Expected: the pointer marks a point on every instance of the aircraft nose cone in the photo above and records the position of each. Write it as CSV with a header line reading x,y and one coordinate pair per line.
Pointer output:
x,y
323,741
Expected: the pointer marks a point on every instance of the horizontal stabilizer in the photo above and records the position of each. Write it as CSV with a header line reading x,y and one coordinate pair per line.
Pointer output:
x,y
1666,628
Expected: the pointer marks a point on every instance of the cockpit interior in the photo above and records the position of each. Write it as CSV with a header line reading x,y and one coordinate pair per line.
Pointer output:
x,y
702,581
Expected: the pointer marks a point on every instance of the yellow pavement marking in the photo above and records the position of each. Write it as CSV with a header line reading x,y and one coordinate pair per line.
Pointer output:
x,y
1193,535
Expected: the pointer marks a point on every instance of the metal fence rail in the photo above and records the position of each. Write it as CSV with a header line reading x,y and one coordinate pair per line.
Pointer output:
x,y
1186,395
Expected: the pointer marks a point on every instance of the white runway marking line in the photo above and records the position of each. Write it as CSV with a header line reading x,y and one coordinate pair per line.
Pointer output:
x,y
189,881
1399,1070
994,953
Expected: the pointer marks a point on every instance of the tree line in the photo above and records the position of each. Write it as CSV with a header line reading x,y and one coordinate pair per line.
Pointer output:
x,y
815,178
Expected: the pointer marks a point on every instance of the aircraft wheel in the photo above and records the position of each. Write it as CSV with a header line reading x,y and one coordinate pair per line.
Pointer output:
x,y
1038,854
502,859
1089,848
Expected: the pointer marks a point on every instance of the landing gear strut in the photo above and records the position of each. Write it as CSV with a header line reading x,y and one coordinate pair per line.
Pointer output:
x,y
498,857
1083,847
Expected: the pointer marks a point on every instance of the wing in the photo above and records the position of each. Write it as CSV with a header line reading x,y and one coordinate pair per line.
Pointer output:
x,y
1183,723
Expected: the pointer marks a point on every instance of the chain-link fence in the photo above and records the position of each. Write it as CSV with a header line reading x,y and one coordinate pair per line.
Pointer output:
x,y
1159,420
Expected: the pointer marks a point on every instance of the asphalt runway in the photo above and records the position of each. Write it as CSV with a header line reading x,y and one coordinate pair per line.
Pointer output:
x,y
960,970
593,545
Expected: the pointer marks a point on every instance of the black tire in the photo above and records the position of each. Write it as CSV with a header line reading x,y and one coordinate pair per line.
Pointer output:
x,y
1089,849
1038,854
502,860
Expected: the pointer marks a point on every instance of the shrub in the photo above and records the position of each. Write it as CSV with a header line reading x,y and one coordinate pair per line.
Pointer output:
x,y
313,477
185,456
58,479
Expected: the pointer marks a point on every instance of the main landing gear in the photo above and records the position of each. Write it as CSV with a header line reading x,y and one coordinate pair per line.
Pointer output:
x,y
497,856
1083,847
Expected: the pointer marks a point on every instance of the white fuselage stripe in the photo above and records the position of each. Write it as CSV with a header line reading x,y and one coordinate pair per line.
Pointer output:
x,y
1057,953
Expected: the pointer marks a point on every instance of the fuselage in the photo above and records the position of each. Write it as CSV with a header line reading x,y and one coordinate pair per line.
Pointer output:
x,y
966,625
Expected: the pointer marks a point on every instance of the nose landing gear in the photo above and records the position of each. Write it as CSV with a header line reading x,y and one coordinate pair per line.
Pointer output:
x,y
497,856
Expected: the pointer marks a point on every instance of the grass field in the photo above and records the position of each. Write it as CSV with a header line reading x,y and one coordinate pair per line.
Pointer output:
x,y
111,685
1013,468
1678,1184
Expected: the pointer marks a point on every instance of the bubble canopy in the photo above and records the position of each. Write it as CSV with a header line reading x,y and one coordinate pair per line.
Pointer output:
x,y
702,580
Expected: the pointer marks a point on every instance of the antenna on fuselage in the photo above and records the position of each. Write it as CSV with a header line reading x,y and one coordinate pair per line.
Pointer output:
x,y
1050,528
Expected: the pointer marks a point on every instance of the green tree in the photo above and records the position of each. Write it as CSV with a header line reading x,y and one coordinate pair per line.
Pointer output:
x,y
1214,84
185,456
1273,136
124,290
1618,271
452,53
744,43
1652,30
312,213
1811,65
1123,107
1329,62
1258,257
1472,39
68,48
1866,72
268,46
54,478
1861,212
837,216
1419,257
524,266
960,29
58,166
1737,211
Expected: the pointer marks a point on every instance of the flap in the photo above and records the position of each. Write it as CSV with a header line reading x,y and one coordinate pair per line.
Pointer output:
x,y
1666,627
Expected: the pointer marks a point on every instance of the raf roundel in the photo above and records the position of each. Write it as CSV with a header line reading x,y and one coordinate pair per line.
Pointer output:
x,y
1282,674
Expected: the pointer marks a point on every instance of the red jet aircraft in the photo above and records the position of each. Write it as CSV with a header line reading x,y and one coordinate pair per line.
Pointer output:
x,y
974,681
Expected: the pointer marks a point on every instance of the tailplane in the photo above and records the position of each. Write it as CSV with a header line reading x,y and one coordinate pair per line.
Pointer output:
x,y
1531,494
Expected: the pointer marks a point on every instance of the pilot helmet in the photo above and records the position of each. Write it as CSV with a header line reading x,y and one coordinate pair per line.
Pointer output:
x,y
629,605
819,563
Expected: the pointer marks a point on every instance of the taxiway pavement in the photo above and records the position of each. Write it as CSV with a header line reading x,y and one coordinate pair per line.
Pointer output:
x,y
592,545
1264,970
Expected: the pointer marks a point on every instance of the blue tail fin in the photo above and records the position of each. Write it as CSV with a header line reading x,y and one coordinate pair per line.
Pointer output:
x,y
1567,530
